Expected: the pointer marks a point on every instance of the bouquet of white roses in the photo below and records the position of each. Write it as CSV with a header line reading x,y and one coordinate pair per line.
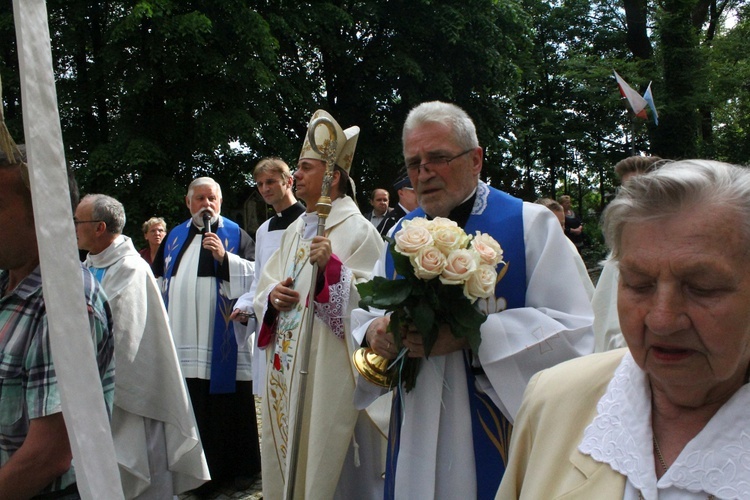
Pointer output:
x,y
444,272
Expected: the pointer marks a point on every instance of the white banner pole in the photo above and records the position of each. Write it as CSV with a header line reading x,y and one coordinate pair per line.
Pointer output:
x,y
72,347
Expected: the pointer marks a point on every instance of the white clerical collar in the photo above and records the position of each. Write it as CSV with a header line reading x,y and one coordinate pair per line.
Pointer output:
x,y
715,462
469,197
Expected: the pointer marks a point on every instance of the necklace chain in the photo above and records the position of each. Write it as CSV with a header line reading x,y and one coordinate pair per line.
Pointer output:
x,y
663,465
659,455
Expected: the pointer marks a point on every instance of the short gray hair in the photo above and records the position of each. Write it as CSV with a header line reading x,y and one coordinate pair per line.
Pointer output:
x,y
154,221
203,181
108,210
447,114
674,187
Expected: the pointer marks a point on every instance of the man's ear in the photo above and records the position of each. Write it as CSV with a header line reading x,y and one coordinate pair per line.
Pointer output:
x,y
335,180
477,157
187,202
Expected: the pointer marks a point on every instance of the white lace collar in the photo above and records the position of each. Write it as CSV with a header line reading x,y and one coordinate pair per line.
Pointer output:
x,y
480,202
716,461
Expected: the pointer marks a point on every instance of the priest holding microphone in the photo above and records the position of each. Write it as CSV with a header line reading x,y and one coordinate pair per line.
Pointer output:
x,y
204,264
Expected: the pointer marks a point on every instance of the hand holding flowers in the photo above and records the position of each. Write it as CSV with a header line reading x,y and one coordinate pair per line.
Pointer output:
x,y
442,272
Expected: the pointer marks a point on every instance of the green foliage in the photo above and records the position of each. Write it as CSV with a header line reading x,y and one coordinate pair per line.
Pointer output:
x,y
683,65
383,293
730,74
153,92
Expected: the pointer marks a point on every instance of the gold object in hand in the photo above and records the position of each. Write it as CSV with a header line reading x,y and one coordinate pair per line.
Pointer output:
x,y
373,367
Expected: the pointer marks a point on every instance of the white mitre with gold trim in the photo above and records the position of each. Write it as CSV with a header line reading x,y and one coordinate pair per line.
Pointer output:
x,y
346,141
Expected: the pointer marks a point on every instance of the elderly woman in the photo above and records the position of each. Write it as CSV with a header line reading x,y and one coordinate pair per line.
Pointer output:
x,y
154,230
667,417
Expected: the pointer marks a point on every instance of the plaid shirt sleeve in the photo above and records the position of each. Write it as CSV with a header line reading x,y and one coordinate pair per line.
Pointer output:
x,y
42,396
100,318
28,383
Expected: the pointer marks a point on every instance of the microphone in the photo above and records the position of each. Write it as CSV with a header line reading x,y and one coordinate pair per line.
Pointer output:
x,y
206,222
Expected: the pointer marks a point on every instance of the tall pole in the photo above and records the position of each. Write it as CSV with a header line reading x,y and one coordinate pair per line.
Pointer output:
x,y
69,331
328,151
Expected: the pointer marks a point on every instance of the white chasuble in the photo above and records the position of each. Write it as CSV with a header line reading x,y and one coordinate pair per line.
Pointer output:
x,y
327,444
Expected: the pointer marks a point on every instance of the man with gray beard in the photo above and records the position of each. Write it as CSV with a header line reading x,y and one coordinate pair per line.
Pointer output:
x,y
204,265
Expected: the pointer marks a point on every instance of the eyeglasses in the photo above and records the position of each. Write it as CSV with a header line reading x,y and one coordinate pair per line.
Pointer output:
x,y
435,162
76,221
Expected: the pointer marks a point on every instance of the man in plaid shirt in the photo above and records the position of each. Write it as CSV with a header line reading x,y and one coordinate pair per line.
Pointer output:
x,y
35,455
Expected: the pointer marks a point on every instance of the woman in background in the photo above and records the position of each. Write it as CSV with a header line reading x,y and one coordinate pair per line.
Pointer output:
x,y
573,225
154,230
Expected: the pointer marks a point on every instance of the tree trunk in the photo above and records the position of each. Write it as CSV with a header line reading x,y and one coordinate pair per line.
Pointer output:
x,y
637,36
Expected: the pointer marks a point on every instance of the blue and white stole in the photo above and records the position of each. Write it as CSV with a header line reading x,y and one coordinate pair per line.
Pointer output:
x,y
501,216
224,346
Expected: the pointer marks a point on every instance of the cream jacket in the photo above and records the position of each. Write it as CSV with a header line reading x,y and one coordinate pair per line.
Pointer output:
x,y
558,405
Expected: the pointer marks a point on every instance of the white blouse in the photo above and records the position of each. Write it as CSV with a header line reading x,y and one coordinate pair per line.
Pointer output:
x,y
715,462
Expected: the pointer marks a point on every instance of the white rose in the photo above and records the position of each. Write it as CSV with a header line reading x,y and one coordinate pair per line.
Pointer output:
x,y
411,238
439,222
417,221
449,238
481,283
428,262
458,266
488,249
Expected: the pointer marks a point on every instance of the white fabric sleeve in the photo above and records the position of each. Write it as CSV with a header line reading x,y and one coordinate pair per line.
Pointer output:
x,y
241,274
554,326
607,332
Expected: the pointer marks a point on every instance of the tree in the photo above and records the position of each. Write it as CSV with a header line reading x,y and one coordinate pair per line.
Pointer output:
x,y
368,63
730,74
155,92
568,120
152,93
685,30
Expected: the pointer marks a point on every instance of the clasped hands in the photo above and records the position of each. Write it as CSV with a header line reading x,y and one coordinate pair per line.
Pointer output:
x,y
381,341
